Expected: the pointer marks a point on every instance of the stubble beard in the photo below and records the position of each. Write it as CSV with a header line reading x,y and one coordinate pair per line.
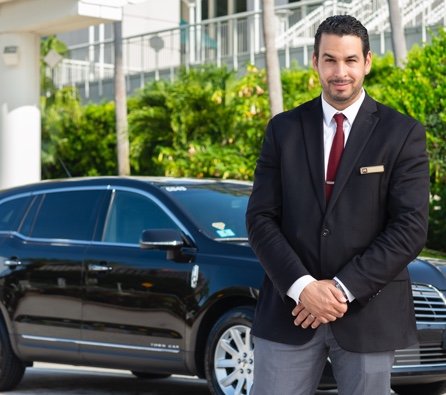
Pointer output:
x,y
344,97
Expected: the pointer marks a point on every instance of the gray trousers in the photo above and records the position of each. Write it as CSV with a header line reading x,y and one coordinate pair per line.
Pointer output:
x,y
283,369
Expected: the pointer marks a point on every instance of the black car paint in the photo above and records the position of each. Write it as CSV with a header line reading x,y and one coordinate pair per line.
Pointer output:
x,y
137,304
95,294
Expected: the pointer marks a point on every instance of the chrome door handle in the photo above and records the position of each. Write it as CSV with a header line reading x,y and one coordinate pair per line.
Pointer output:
x,y
12,262
99,268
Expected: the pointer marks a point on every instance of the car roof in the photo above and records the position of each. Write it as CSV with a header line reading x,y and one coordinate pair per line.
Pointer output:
x,y
118,180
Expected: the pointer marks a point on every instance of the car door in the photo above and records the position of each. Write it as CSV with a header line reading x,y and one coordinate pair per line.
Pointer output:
x,y
136,301
46,260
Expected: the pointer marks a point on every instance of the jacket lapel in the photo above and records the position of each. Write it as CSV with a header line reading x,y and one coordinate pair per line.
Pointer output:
x,y
361,131
312,125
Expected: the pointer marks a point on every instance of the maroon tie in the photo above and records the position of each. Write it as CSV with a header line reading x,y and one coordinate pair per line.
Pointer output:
x,y
337,148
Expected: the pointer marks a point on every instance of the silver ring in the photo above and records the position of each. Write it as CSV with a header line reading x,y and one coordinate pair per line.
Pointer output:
x,y
312,316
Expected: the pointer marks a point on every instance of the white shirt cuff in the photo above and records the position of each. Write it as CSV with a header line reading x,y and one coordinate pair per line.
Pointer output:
x,y
349,295
298,286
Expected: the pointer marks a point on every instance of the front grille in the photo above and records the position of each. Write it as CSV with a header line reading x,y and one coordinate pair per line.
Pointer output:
x,y
430,304
426,355
430,312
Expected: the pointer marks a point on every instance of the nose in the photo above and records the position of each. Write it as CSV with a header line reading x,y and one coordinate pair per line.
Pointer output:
x,y
341,69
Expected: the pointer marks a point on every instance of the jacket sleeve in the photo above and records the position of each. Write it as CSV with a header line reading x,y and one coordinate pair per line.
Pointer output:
x,y
405,232
264,214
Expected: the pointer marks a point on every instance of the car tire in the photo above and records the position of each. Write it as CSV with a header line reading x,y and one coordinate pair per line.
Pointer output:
x,y
229,358
437,388
11,367
148,376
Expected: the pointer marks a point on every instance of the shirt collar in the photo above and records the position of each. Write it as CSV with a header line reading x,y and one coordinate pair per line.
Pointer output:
x,y
350,112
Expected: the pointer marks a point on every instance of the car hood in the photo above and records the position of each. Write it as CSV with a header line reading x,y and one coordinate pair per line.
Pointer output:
x,y
427,270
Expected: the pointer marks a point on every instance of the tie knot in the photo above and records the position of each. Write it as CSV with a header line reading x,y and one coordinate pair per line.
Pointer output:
x,y
339,119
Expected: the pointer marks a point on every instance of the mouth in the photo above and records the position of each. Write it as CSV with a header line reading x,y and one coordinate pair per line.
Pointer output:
x,y
340,83
340,87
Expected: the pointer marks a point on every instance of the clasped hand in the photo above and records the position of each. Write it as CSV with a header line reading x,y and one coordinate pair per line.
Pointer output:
x,y
320,303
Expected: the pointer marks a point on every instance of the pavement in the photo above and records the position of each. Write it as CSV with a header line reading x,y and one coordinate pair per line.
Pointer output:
x,y
52,379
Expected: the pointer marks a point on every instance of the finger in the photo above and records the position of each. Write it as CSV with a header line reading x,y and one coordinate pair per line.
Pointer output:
x,y
339,296
326,318
336,309
308,321
340,310
316,323
302,316
299,307
330,313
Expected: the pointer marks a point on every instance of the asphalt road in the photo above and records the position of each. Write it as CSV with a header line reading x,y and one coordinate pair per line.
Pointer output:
x,y
51,379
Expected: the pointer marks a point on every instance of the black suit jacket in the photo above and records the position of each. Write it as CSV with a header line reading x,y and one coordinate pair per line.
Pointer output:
x,y
374,224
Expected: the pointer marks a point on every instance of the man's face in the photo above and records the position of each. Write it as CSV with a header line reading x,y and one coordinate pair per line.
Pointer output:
x,y
341,67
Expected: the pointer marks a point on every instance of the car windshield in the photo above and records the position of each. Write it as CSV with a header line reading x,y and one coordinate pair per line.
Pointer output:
x,y
218,209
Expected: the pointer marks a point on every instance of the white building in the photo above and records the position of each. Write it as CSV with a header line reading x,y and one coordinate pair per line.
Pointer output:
x,y
22,23
162,36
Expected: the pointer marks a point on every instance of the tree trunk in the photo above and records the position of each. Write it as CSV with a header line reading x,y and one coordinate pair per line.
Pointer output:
x,y
122,136
397,29
272,58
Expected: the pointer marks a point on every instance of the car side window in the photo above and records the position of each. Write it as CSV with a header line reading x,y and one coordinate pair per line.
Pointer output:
x,y
131,213
11,212
67,215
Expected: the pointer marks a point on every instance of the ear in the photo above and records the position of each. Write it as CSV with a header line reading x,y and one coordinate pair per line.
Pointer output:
x,y
314,61
368,62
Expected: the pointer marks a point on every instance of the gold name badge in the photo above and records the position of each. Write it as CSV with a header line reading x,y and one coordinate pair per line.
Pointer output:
x,y
372,169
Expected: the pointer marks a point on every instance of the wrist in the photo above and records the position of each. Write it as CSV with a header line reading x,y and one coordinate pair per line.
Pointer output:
x,y
339,286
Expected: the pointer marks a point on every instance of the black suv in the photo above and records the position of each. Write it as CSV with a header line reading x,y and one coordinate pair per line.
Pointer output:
x,y
155,275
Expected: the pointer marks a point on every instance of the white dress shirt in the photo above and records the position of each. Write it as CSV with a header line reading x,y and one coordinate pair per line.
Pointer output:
x,y
329,132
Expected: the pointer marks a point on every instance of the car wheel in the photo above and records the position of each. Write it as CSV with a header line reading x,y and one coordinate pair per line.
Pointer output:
x,y
229,357
11,368
147,375
437,388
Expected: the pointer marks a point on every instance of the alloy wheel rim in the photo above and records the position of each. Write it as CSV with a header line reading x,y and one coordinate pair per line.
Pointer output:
x,y
234,361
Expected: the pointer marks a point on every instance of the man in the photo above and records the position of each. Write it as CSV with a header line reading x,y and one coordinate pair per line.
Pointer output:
x,y
339,208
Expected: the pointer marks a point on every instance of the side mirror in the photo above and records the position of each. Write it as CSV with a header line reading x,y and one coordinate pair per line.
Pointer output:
x,y
162,239
170,240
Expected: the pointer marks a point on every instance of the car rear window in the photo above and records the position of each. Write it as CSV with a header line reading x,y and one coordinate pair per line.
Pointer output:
x,y
66,215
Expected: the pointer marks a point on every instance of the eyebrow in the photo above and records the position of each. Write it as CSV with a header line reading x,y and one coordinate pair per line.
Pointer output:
x,y
327,55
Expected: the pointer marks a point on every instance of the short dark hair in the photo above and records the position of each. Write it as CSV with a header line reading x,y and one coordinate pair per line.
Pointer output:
x,y
342,25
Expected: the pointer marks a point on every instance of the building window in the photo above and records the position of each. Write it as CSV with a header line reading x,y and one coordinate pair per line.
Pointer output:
x,y
222,8
240,6
205,9
217,8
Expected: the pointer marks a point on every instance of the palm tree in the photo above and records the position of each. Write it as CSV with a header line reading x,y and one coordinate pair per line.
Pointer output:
x,y
397,28
272,58
122,135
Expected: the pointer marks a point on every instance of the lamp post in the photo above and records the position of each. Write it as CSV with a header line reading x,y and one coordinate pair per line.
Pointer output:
x,y
157,44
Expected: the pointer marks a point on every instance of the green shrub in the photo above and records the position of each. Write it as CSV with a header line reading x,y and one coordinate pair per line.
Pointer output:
x,y
77,140
210,123
419,90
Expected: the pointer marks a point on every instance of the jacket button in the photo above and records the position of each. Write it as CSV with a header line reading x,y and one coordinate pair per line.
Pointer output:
x,y
325,232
